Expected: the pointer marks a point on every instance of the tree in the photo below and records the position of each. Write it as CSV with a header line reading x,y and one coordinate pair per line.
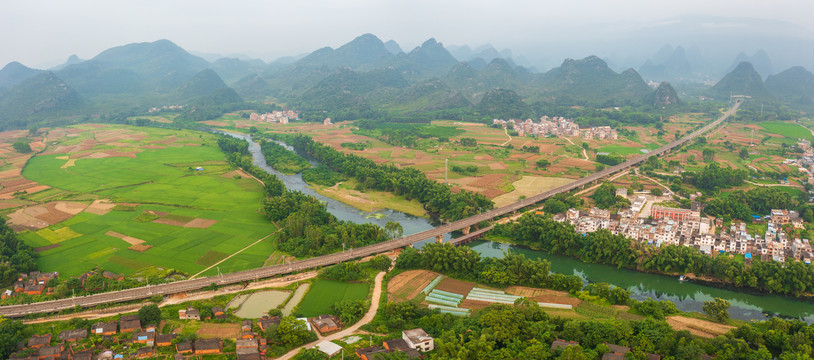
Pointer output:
x,y
380,262
393,230
32,130
469,142
275,312
605,195
743,154
11,332
292,332
543,163
657,192
310,354
150,314
21,147
717,309
708,155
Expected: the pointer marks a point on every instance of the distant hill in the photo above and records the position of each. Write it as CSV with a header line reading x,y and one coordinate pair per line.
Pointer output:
x,y
364,51
162,63
665,95
42,95
234,69
90,78
73,59
591,81
428,60
795,84
503,104
393,47
14,73
760,61
204,82
674,67
743,80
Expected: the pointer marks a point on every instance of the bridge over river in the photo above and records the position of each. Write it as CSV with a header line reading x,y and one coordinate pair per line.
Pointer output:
x,y
266,272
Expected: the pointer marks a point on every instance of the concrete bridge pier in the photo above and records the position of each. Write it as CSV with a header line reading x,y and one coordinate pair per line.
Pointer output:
x,y
466,230
439,238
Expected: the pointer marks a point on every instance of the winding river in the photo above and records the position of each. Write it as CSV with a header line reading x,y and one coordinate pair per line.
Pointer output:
x,y
687,296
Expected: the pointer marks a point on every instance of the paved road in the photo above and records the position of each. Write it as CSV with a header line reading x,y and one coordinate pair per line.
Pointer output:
x,y
325,260
371,313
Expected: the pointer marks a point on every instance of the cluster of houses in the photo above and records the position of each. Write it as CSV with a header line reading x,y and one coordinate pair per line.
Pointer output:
x,y
412,343
276,116
556,126
673,226
36,283
33,283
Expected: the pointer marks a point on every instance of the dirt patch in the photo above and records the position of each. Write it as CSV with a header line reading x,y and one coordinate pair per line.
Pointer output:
x,y
455,286
169,222
129,239
72,208
200,223
153,147
544,295
234,173
49,247
20,220
222,331
498,166
488,180
473,304
407,285
100,207
140,248
698,327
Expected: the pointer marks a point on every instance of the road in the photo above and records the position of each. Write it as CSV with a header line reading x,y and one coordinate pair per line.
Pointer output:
x,y
371,313
325,260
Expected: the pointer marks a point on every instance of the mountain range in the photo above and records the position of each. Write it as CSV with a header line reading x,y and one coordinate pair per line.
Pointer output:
x,y
361,76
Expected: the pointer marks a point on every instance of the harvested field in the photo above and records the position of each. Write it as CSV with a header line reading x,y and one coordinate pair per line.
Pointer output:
x,y
200,223
698,327
49,247
530,186
473,304
72,208
129,239
488,180
498,166
455,286
544,295
40,216
166,221
100,207
408,285
223,331
140,248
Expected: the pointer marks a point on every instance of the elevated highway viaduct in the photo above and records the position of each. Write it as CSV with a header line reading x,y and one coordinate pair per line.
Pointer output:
x,y
266,272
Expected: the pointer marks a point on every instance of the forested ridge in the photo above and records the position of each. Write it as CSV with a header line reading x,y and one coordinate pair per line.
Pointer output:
x,y
538,232
437,198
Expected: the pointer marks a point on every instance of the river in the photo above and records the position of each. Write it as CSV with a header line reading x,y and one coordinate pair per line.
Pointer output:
x,y
687,296
409,223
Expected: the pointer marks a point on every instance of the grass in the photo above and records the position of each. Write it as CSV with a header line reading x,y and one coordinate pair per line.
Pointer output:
x,y
153,181
324,293
787,129
621,149
370,200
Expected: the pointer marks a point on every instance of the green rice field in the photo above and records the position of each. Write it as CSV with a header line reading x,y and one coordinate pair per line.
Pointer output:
x,y
162,181
323,293
787,129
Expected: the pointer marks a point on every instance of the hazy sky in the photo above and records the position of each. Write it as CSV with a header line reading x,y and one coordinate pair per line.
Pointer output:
x,y
46,32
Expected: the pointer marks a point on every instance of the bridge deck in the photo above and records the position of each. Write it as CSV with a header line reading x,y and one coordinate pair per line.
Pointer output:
x,y
255,274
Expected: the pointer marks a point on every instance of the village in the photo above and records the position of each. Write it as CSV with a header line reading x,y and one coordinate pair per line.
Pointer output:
x,y
276,116
127,337
556,126
661,226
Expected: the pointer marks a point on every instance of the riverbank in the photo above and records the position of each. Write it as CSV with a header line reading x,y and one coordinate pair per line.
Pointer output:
x,y
369,200
688,296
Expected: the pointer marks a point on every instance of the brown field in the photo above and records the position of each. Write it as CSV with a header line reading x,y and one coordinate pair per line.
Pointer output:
x,y
100,207
698,327
209,330
455,286
36,217
408,285
544,295
200,223
473,304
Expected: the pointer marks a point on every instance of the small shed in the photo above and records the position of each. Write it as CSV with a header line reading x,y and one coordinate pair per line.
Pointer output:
x,y
329,348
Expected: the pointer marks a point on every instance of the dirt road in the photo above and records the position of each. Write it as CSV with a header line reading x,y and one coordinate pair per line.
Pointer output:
x,y
371,313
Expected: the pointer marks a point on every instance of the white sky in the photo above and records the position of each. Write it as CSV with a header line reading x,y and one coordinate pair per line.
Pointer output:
x,y
46,32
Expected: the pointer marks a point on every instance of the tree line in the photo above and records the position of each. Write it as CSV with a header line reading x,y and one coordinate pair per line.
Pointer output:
x,y
537,232
307,228
437,198
282,160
